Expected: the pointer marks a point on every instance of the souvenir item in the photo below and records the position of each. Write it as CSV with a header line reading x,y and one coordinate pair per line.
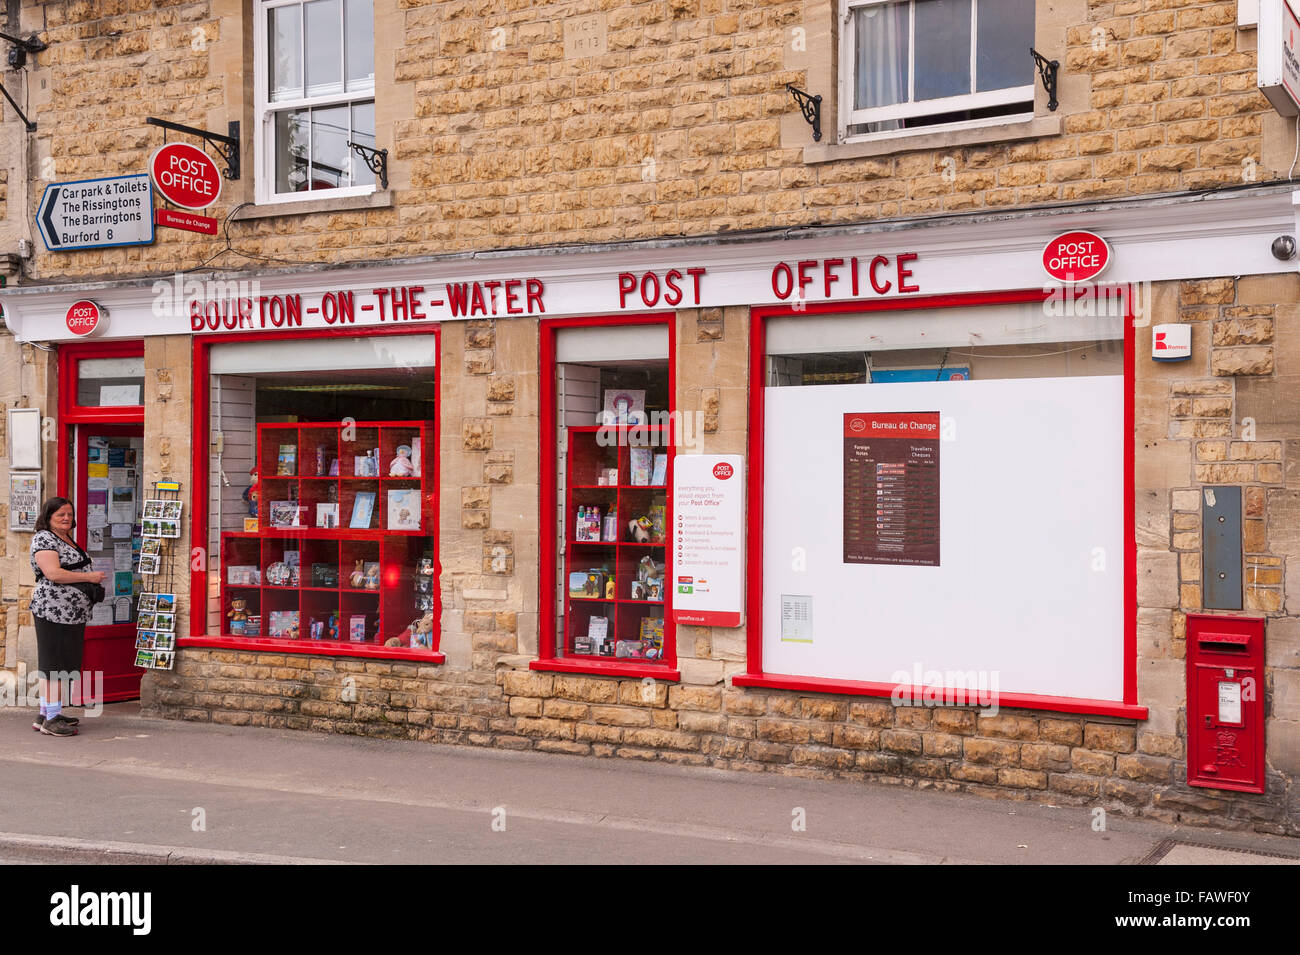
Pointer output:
x,y
358,578
251,493
278,574
372,575
401,465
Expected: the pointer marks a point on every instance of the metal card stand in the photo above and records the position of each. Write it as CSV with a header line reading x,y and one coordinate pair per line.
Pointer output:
x,y
160,583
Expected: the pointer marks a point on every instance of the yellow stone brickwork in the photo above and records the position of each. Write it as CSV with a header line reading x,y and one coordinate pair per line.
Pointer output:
x,y
681,126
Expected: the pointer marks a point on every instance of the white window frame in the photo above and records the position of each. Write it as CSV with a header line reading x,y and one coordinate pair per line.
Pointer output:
x,y
264,120
912,109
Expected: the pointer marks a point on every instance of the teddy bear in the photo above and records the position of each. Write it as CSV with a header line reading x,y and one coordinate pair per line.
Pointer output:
x,y
238,611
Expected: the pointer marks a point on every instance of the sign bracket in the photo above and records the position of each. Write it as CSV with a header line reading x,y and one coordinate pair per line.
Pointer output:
x,y
17,58
226,146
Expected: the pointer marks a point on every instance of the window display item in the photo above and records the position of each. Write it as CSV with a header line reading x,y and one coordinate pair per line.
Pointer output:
x,y
283,514
609,528
641,466
422,632
404,509
358,578
372,575
251,493
287,461
357,628
583,644
237,614
587,524
278,574
363,508
624,406
324,575
327,515
660,475
401,465
598,630
638,530
629,650
283,623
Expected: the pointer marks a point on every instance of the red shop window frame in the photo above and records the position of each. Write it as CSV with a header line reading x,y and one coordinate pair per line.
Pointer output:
x,y
199,507
547,658
757,677
70,413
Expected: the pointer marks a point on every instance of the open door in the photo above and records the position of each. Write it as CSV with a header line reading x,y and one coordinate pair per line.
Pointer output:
x,y
109,489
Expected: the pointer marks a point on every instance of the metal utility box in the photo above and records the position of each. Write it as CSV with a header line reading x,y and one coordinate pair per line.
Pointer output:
x,y
1225,702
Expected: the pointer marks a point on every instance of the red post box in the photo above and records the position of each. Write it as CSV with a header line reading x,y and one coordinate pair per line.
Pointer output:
x,y
1225,702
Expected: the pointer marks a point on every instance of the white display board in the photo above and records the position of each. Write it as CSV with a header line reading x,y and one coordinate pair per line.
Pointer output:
x,y
708,539
1029,584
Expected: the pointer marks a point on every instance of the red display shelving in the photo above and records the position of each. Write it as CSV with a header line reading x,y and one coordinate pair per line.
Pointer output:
x,y
330,468
593,451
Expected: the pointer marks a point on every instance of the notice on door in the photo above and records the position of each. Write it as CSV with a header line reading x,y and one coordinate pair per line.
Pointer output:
x,y
891,488
708,539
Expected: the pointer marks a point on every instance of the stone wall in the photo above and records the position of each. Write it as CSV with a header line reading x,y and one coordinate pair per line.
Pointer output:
x,y
683,126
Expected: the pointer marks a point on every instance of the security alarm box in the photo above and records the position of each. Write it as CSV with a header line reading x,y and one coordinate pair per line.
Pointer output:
x,y
1225,702
1171,342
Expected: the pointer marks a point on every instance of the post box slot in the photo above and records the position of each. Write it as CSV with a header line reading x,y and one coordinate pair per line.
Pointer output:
x,y
1224,642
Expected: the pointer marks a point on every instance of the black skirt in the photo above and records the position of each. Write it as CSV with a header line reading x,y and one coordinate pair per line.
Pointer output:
x,y
59,646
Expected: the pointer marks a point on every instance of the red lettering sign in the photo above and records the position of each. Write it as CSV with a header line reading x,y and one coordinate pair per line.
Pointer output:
x,y
85,318
185,175
1076,256
723,471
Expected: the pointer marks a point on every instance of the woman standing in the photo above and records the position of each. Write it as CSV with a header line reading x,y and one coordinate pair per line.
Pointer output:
x,y
60,607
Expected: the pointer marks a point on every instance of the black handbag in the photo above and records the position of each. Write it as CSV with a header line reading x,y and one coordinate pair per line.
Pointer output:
x,y
95,593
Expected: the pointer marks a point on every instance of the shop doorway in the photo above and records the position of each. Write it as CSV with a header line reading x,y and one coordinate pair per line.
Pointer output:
x,y
108,501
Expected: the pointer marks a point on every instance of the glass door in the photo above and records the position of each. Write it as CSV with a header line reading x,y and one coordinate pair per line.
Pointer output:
x,y
108,501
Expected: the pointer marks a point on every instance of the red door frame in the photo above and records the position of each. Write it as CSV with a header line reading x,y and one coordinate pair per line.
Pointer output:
x,y
756,677
547,660
199,636
121,420
70,413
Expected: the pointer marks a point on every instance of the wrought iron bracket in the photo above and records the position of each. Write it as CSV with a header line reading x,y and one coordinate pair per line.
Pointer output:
x,y
811,107
376,160
226,146
1047,70
17,60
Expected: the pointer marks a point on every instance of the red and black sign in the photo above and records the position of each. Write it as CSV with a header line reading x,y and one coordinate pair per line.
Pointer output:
x,y
189,221
85,318
891,488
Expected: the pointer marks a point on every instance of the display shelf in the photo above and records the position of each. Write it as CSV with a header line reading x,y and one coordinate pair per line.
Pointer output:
x,y
392,541
593,452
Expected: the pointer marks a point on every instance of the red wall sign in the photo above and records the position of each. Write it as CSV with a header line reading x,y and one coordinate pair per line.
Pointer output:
x,y
185,175
1076,256
85,318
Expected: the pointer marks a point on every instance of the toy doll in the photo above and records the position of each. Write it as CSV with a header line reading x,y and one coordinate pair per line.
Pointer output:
x,y
251,493
358,578
401,465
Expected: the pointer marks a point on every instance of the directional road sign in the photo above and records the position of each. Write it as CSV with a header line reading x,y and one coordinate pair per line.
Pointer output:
x,y
96,213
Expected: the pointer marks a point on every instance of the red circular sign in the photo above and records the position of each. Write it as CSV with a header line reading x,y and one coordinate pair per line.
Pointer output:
x,y
723,471
185,175
1076,256
85,318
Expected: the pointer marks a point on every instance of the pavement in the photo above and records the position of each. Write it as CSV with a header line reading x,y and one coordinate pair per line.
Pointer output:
x,y
135,790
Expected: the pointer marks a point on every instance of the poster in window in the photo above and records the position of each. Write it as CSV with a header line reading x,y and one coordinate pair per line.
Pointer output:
x,y
24,500
891,488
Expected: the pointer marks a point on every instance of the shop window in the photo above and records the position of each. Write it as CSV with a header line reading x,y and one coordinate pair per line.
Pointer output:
x,y
315,97
937,64
607,548
952,481
322,508
110,382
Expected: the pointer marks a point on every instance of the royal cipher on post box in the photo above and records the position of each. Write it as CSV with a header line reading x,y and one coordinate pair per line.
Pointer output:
x,y
1225,702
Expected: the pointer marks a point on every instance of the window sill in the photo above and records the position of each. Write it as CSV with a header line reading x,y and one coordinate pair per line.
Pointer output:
x,y
598,667
969,136
322,648
379,199
1019,701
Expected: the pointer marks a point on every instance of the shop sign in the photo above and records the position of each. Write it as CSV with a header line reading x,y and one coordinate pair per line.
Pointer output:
x,y
708,539
1076,256
1171,342
185,175
96,213
1278,73
86,318
189,221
